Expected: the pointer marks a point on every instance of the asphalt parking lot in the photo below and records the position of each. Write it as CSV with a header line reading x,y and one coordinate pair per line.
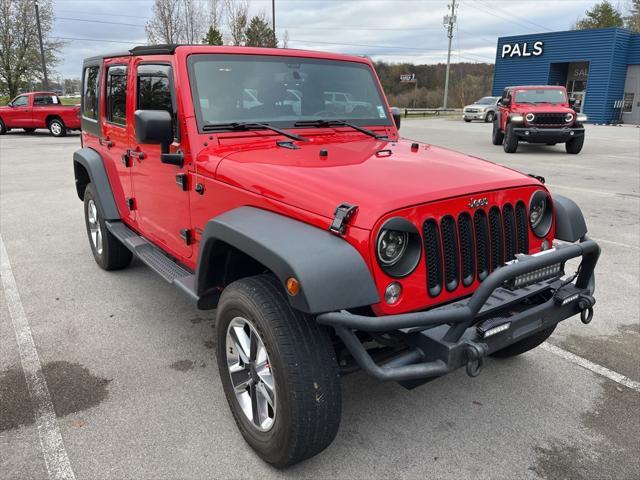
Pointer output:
x,y
133,379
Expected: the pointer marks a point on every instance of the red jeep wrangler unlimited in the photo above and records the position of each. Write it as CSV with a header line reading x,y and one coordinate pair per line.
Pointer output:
x,y
326,243
39,110
540,114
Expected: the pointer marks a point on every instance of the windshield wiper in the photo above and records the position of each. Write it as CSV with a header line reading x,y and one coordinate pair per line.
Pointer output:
x,y
245,126
331,123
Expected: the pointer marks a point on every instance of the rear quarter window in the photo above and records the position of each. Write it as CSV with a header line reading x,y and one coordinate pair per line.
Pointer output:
x,y
90,92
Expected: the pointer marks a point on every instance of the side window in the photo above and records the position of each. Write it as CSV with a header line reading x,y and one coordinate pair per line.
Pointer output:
x,y
22,101
90,93
44,100
155,91
116,95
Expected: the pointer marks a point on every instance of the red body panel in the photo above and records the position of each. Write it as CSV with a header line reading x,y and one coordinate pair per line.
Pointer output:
x,y
38,116
382,177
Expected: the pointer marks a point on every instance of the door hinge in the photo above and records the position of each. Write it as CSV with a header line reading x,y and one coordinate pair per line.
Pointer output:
x,y
341,218
126,159
181,181
131,203
185,233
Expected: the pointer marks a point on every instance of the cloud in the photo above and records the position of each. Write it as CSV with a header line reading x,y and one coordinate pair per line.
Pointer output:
x,y
389,30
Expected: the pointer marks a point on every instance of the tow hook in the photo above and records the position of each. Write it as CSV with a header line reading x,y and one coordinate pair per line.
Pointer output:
x,y
585,304
475,359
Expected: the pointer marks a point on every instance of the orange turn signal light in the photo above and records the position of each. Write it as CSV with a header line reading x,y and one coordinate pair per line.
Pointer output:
x,y
293,286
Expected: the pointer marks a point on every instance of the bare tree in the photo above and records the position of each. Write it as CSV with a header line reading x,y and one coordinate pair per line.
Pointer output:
x,y
167,23
195,21
216,14
19,50
237,17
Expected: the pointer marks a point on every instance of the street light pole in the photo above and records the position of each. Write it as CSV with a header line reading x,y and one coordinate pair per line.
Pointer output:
x,y
449,23
45,80
273,21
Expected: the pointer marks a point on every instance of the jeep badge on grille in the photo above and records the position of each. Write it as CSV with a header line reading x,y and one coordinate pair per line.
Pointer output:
x,y
478,202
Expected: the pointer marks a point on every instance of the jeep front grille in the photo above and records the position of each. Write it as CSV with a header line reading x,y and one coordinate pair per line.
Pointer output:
x,y
464,249
548,120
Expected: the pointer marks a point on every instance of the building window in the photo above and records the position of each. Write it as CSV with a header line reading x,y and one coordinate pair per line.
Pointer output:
x,y
627,104
116,97
90,93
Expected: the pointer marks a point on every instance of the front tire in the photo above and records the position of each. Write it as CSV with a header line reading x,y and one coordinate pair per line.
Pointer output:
x,y
574,146
497,137
57,128
108,251
468,120
525,344
510,140
278,370
3,127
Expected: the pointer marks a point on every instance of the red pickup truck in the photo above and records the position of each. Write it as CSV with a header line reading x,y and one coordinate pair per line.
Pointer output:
x,y
39,110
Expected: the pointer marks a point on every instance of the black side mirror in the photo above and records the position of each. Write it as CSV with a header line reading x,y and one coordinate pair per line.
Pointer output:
x,y
155,127
397,115
505,102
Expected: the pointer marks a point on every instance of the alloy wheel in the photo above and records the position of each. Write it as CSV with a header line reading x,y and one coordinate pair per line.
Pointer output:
x,y
251,373
94,226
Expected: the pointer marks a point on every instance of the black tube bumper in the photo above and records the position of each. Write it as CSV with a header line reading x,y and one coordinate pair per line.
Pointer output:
x,y
443,339
548,135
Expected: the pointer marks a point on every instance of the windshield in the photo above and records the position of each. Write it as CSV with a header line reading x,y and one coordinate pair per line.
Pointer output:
x,y
540,96
486,101
281,91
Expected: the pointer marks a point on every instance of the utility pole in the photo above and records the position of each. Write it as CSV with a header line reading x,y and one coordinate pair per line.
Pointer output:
x,y
273,20
45,80
449,22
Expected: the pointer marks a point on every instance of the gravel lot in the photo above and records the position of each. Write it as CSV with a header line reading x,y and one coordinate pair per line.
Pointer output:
x,y
133,379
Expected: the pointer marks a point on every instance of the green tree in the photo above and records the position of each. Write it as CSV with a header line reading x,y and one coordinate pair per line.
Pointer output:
x,y
260,34
20,62
632,21
603,15
213,37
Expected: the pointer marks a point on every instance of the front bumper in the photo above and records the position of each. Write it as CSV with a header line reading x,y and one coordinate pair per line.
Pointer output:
x,y
473,115
533,134
440,340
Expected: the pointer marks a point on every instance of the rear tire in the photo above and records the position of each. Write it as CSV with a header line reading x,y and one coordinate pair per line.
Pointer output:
x,y
108,251
489,117
303,416
497,137
524,345
57,128
574,146
510,140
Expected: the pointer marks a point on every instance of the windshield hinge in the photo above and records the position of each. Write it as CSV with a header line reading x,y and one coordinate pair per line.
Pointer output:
x,y
537,177
341,218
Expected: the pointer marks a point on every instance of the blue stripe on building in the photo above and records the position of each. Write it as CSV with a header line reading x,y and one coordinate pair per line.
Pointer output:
x,y
599,67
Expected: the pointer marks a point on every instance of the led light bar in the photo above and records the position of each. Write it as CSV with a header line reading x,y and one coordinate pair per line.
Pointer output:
x,y
492,326
535,276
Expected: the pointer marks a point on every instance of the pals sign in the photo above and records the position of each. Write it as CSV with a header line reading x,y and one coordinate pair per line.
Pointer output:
x,y
522,49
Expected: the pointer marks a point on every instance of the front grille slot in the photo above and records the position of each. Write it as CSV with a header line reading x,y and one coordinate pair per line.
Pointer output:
x,y
554,119
467,249
510,240
497,238
523,228
482,243
459,250
451,255
433,254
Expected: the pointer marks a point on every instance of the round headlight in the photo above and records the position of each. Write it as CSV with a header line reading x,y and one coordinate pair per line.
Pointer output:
x,y
530,117
391,246
540,213
568,117
398,247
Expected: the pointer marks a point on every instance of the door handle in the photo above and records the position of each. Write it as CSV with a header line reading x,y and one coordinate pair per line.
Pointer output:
x,y
105,142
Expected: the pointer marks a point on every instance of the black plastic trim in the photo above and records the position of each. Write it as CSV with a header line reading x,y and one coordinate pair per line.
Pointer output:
x,y
332,273
92,163
570,224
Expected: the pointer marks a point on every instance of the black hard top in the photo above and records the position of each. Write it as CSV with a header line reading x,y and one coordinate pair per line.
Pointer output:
x,y
163,49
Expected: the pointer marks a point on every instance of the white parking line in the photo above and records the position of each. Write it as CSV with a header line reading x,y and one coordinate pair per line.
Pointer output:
x,y
618,244
594,367
53,450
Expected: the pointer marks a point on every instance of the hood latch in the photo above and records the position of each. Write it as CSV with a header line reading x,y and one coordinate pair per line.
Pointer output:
x,y
341,218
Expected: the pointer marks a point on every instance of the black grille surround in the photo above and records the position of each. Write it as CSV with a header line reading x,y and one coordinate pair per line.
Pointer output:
x,y
552,119
462,249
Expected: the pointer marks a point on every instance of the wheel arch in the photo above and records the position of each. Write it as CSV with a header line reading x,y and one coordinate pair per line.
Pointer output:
x,y
54,116
248,241
89,167
570,223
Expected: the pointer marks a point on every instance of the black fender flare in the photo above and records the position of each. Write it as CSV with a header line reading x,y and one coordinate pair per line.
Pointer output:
x,y
92,163
570,224
332,273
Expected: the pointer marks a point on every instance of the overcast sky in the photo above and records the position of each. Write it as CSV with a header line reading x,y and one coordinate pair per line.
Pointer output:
x,y
390,30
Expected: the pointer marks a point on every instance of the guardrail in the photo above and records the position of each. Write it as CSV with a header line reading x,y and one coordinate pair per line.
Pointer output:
x,y
424,112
